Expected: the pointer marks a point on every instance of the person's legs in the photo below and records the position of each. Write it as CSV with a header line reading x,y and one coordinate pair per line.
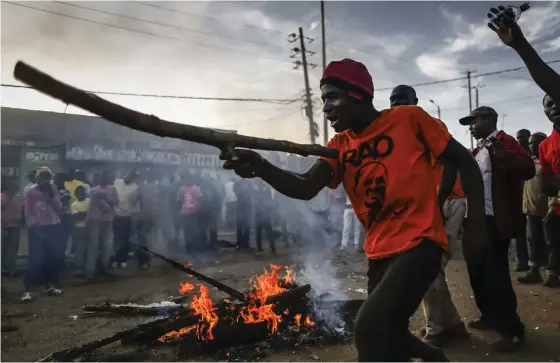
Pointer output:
x,y
105,245
440,311
537,250
213,229
522,250
34,270
122,228
145,236
500,302
347,227
10,248
79,240
51,255
258,232
396,287
552,234
270,235
92,248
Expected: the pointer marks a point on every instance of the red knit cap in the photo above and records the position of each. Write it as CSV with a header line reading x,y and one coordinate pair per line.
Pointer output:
x,y
351,72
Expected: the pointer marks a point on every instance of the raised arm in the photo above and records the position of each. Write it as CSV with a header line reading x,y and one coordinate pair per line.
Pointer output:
x,y
511,35
305,186
448,179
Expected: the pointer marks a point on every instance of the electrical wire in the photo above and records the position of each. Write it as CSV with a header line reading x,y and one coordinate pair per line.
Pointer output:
x,y
176,11
478,75
167,25
262,100
205,45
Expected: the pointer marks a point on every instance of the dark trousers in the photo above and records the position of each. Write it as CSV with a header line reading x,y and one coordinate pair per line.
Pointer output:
x,y
552,237
212,227
122,229
538,251
80,239
42,259
10,247
396,286
145,235
263,223
64,233
243,217
192,232
492,288
521,248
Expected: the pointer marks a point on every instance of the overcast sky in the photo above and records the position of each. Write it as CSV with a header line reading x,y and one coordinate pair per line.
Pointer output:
x,y
240,49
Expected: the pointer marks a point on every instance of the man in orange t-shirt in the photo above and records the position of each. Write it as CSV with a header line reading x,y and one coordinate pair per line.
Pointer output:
x,y
385,168
442,318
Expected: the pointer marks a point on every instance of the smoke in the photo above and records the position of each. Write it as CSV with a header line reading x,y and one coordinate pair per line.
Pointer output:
x,y
313,229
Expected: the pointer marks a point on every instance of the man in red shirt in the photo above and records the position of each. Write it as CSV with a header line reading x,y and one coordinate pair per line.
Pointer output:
x,y
548,80
380,152
189,197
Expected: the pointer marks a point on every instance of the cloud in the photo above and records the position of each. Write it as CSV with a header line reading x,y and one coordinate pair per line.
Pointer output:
x,y
470,38
313,25
438,66
551,46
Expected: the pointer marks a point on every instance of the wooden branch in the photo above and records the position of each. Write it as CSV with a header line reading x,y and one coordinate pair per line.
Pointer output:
x,y
135,310
148,332
217,284
151,124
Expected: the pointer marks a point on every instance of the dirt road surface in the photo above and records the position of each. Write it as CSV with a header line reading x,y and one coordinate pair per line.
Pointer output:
x,y
50,324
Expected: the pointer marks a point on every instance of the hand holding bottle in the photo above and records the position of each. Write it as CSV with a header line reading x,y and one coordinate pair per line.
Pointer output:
x,y
503,20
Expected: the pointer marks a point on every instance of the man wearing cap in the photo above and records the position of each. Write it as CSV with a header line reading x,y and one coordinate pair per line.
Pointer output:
x,y
41,209
504,165
380,153
548,80
442,319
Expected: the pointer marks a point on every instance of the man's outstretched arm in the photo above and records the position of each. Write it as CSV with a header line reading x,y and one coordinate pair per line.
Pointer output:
x,y
448,179
305,186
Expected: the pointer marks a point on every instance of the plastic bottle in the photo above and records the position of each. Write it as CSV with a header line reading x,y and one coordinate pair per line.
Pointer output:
x,y
514,10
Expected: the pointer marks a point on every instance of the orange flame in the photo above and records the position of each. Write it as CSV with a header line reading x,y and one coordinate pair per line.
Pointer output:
x,y
185,287
172,335
263,286
208,318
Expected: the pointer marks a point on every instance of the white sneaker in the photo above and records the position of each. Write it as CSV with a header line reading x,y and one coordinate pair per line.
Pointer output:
x,y
114,265
123,265
26,297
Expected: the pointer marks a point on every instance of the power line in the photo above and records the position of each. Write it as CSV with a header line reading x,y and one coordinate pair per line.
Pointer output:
x,y
507,100
478,75
166,25
146,32
204,16
262,100
275,117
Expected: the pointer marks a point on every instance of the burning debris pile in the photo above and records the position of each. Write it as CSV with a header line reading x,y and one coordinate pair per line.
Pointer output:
x,y
275,309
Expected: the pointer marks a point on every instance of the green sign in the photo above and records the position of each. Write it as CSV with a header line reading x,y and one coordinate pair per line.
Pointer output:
x,y
32,158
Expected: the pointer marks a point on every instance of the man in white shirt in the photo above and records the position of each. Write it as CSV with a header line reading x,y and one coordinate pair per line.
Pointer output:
x,y
127,191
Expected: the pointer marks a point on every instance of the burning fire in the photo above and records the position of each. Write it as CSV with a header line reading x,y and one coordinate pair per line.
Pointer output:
x,y
307,322
185,287
256,311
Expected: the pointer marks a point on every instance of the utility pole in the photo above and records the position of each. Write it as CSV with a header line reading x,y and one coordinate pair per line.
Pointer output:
x,y
324,50
469,88
313,132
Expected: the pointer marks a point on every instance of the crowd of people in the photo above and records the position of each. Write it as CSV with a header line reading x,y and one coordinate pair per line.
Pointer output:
x,y
491,193
77,228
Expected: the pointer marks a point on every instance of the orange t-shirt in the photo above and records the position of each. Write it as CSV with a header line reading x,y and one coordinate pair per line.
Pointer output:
x,y
387,173
549,157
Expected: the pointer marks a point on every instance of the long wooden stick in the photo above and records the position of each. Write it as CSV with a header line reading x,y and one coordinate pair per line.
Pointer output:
x,y
217,284
152,124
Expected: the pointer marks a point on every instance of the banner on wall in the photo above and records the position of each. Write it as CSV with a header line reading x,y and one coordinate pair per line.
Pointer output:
x,y
32,158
